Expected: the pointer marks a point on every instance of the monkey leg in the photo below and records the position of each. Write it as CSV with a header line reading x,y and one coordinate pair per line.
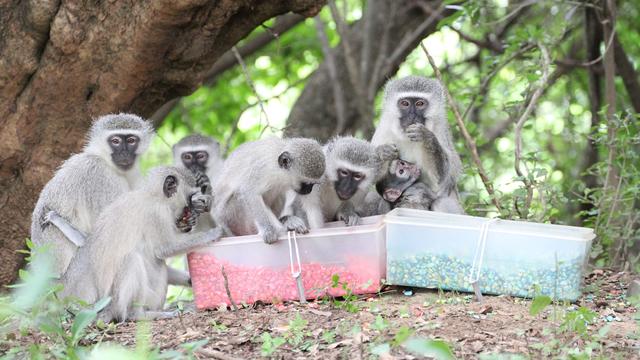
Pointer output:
x,y
178,277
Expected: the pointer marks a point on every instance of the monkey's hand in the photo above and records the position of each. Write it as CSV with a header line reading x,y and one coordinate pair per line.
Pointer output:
x,y
294,223
201,203
188,220
347,213
270,234
419,133
387,152
203,182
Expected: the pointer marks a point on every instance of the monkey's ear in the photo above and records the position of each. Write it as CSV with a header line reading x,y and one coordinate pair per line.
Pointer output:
x,y
170,186
284,160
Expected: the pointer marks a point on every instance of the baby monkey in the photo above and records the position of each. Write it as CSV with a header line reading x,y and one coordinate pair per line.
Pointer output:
x,y
125,256
399,188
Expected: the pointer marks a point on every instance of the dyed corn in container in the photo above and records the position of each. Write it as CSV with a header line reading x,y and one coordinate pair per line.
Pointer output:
x,y
436,250
256,271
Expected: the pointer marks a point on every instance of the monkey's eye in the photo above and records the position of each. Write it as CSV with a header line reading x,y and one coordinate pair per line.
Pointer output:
x,y
187,157
131,140
343,173
201,155
404,103
421,103
402,163
115,141
358,176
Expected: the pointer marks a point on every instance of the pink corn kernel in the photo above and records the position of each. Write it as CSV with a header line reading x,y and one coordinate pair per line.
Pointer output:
x,y
249,284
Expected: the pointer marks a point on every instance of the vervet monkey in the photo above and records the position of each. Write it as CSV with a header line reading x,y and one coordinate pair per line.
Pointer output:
x,y
392,188
414,119
250,191
353,165
87,182
201,155
125,254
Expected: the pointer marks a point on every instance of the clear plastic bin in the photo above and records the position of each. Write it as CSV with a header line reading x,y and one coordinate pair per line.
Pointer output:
x,y
260,272
437,250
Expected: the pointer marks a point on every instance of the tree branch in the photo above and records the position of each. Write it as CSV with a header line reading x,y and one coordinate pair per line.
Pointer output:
x,y
629,76
471,144
338,94
228,60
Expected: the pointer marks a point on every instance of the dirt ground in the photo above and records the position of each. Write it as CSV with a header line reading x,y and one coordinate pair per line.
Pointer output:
x,y
375,327
498,325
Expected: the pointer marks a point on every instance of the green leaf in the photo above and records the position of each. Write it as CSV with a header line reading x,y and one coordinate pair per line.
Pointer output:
x,y
101,304
381,349
401,336
82,320
539,303
436,349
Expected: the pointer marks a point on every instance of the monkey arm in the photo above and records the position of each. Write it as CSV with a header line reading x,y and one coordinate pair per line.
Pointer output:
x,y
419,133
347,213
186,243
265,220
74,235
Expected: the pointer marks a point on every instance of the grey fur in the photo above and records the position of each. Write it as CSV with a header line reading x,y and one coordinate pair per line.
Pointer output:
x,y
85,184
323,204
429,145
250,191
213,167
125,255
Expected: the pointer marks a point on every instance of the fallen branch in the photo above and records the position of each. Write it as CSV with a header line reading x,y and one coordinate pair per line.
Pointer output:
x,y
226,288
471,144
215,354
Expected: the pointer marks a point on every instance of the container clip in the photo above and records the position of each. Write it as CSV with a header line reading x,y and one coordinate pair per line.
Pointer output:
x,y
296,274
478,257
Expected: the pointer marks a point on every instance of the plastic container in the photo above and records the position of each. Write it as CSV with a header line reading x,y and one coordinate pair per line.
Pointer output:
x,y
437,250
261,272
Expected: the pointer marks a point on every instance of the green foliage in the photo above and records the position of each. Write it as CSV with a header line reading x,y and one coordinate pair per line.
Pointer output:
x,y
436,349
270,344
538,304
349,299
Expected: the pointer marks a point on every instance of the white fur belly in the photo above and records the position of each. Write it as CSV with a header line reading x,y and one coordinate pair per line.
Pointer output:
x,y
414,152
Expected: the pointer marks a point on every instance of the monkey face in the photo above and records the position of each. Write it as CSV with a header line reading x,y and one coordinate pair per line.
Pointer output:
x,y
196,161
123,150
412,111
401,175
347,183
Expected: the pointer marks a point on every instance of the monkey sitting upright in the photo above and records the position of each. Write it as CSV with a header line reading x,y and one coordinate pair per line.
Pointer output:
x,y
414,120
201,155
251,188
125,254
87,182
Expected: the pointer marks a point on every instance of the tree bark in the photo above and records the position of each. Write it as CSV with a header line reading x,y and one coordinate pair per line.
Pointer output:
x,y
62,63
314,113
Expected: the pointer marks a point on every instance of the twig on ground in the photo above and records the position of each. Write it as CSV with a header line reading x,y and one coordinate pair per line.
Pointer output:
x,y
226,288
471,144
215,354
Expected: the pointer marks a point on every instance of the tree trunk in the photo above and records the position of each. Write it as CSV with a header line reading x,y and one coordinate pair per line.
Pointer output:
x,y
63,63
314,113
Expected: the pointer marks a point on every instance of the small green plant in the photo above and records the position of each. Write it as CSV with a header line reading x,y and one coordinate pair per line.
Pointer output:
x,y
270,344
349,299
296,333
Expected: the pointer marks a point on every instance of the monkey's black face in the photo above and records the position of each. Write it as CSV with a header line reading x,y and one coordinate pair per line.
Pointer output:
x,y
196,161
305,188
412,111
347,183
123,150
